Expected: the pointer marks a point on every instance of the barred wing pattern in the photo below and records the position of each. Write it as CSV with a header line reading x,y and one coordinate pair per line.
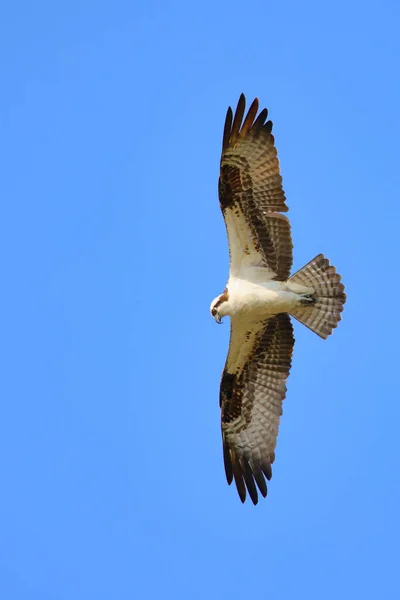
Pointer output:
x,y
330,297
251,195
253,387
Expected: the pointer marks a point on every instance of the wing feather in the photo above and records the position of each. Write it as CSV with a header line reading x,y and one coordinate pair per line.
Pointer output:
x,y
238,476
249,480
238,118
260,121
253,387
259,477
251,194
227,128
249,120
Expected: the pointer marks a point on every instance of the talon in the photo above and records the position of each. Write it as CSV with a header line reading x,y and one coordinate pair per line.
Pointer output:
x,y
307,299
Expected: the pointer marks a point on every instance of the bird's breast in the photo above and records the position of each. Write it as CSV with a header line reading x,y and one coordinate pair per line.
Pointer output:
x,y
262,300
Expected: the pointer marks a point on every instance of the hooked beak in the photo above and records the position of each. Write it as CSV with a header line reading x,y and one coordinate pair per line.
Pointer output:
x,y
218,319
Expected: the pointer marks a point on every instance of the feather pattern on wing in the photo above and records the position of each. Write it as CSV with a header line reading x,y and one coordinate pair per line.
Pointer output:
x,y
253,387
251,195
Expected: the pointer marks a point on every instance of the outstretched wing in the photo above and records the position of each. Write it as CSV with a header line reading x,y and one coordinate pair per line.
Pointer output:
x,y
253,387
251,195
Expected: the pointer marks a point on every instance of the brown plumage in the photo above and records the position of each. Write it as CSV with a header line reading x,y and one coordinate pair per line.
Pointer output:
x,y
256,395
328,289
250,177
253,384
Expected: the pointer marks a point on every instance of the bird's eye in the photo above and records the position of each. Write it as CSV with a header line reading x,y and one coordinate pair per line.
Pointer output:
x,y
214,312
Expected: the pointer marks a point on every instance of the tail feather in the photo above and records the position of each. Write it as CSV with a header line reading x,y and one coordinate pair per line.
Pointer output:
x,y
320,279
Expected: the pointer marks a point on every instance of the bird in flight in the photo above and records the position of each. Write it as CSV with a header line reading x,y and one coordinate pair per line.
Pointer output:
x,y
259,298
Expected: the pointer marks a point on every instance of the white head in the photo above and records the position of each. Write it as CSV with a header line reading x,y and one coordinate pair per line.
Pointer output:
x,y
219,306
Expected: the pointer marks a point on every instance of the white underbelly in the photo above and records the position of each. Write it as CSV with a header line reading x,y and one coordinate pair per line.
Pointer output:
x,y
262,300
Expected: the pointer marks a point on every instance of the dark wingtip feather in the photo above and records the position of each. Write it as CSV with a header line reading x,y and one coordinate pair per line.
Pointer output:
x,y
263,488
266,469
227,463
237,120
241,488
249,480
267,127
238,476
251,115
246,475
259,478
259,122
227,128
233,122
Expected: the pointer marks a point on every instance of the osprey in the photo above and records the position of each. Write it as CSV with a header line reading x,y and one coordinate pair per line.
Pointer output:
x,y
259,298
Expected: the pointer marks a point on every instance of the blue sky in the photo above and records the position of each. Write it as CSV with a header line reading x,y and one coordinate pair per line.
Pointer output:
x,y
113,246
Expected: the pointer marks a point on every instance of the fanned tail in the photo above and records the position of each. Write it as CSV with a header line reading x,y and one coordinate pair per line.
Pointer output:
x,y
319,279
